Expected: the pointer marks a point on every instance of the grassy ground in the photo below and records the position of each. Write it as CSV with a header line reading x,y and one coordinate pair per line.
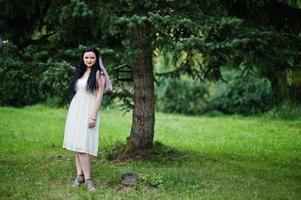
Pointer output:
x,y
222,157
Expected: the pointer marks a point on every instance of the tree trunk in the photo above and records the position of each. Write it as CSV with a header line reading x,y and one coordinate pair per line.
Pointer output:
x,y
279,84
142,132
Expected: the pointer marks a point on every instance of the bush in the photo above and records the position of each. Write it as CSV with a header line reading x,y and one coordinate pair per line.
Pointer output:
x,y
56,81
181,96
286,111
29,76
19,77
248,95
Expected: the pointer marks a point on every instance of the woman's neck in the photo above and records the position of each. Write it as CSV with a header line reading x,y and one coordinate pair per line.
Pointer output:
x,y
88,70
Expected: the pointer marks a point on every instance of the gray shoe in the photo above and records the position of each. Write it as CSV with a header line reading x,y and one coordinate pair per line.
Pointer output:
x,y
78,181
90,185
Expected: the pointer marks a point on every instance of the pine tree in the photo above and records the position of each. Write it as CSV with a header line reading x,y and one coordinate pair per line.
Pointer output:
x,y
202,36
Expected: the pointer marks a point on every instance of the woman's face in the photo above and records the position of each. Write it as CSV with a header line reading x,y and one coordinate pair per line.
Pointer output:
x,y
89,59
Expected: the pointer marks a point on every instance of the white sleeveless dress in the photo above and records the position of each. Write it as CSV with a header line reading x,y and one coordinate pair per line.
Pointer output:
x,y
78,136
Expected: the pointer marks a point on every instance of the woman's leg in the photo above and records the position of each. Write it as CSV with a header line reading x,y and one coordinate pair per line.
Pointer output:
x,y
85,162
79,168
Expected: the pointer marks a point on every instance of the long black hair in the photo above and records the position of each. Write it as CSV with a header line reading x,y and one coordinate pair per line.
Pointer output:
x,y
92,84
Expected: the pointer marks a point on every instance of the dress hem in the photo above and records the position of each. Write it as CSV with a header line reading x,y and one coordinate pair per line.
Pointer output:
x,y
92,154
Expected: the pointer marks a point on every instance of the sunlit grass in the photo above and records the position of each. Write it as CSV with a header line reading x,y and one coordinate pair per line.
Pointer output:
x,y
222,157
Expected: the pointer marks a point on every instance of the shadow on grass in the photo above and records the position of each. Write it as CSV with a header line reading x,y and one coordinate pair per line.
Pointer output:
x,y
158,153
163,155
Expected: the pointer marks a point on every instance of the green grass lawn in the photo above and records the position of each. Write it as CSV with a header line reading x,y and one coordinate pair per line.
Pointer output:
x,y
222,157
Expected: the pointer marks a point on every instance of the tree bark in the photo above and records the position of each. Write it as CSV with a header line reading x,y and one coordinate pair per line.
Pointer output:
x,y
142,132
279,83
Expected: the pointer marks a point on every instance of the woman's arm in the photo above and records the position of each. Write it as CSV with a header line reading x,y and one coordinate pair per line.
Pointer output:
x,y
98,98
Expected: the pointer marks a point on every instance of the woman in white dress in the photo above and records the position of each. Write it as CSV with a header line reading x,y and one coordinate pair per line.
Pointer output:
x,y
82,123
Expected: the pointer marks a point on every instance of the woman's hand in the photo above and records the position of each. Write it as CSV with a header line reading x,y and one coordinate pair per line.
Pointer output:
x,y
91,122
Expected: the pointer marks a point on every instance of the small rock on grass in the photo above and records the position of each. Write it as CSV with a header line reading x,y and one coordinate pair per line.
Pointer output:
x,y
129,179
